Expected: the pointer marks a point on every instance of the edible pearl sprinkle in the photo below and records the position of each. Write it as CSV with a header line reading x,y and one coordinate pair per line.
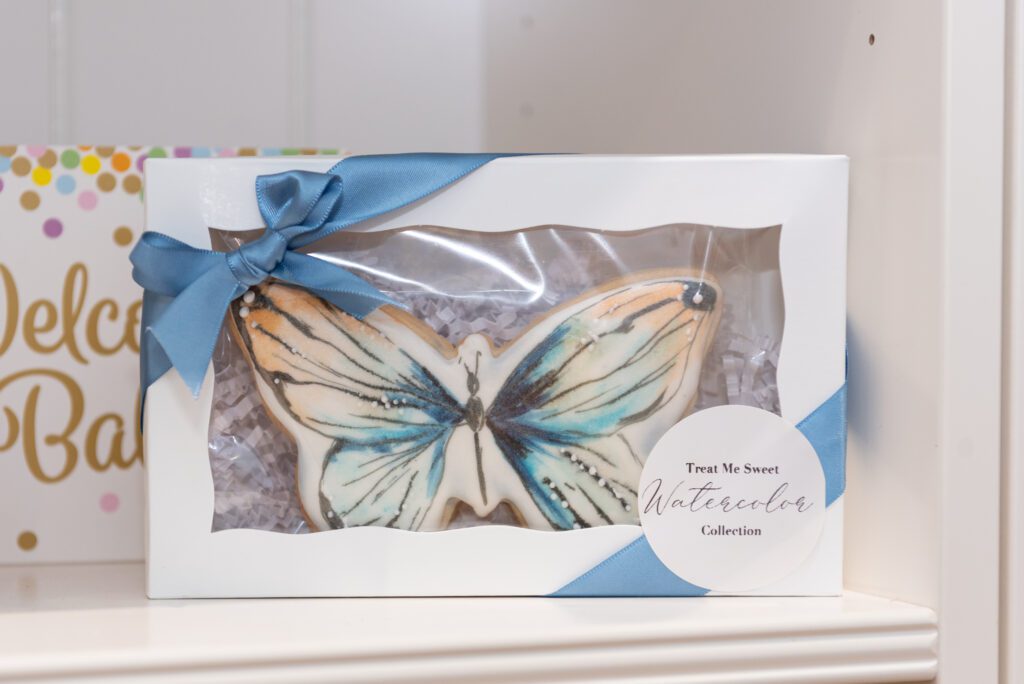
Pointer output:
x,y
243,311
249,297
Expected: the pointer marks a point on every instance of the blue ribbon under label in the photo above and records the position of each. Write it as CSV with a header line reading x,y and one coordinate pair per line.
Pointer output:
x,y
635,570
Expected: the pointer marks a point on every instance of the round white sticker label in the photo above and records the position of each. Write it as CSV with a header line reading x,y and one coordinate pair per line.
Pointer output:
x,y
732,498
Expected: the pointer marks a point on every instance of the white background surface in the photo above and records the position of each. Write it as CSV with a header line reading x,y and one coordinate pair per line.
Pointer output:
x,y
920,113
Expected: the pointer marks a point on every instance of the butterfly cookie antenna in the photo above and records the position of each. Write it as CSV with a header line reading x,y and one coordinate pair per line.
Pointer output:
x,y
476,367
472,379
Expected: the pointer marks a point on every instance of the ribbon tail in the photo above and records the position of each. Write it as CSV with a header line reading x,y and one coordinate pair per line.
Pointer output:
x,y
187,328
167,266
825,429
634,570
153,362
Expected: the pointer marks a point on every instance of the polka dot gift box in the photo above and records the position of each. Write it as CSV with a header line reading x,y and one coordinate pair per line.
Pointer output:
x,y
70,453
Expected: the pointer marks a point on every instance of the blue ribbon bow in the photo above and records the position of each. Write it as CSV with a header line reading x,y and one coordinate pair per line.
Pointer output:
x,y
188,290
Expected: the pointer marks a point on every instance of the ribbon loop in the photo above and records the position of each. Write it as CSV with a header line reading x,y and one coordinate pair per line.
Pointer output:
x,y
298,202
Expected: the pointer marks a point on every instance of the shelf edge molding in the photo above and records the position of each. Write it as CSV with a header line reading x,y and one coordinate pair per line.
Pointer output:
x,y
848,639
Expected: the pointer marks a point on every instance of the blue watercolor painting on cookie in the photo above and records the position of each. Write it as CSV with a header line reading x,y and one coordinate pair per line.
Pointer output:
x,y
397,427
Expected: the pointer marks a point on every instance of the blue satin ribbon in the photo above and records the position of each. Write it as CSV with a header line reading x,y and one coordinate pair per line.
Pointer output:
x,y
635,570
188,290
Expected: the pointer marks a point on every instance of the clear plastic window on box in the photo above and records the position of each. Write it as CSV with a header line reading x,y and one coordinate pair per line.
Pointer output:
x,y
307,434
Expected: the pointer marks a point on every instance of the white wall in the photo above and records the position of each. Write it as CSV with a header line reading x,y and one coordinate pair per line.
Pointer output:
x,y
386,75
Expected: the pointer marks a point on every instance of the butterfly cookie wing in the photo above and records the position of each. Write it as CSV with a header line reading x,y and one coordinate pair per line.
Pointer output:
x,y
578,414
384,417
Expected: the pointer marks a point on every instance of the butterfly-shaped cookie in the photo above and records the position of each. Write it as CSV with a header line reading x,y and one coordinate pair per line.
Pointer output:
x,y
395,426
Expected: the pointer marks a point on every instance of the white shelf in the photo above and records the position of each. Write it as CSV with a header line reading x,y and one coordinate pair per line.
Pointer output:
x,y
93,623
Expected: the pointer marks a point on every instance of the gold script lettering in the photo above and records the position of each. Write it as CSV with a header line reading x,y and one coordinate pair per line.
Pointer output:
x,y
29,438
73,299
132,324
10,309
46,327
33,326
115,456
92,333
44,317
104,444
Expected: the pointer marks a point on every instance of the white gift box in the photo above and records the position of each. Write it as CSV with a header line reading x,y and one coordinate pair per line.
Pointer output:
x,y
805,195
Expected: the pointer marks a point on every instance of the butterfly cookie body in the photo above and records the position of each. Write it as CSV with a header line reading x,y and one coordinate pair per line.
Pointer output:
x,y
395,426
